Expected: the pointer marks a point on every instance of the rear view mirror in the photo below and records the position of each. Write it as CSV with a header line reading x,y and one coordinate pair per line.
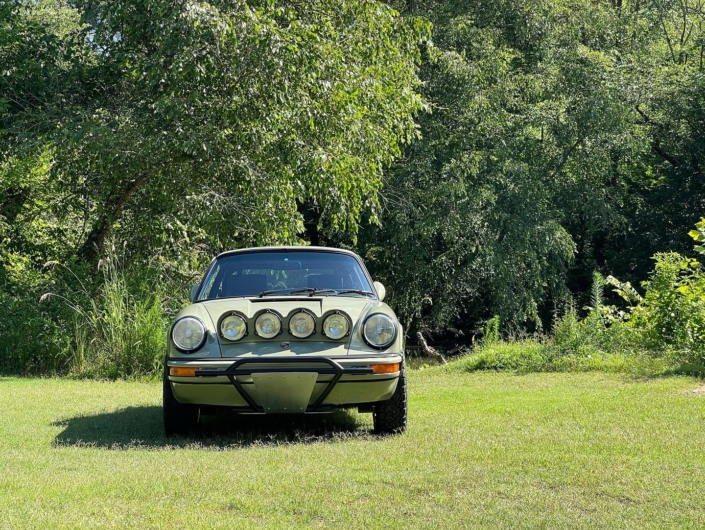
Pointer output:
x,y
194,292
381,291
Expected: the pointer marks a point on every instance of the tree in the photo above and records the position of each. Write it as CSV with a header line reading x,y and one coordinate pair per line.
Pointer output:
x,y
529,131
211,121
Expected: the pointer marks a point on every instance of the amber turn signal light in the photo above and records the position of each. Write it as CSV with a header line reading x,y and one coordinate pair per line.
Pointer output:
x,y
385,368
179,371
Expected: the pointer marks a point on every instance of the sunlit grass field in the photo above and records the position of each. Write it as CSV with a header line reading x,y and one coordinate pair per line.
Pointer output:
x,y
483,450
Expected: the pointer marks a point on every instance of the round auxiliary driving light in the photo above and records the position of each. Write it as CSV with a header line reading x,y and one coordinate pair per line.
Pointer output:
x,y
188,334
268,325
233,327
379,330
302,325
336,326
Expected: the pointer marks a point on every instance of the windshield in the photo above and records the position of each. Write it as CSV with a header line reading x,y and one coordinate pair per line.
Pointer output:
x,y
283,272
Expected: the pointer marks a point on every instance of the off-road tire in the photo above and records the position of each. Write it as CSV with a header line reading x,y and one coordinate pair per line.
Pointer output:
x,y
389,417
179,418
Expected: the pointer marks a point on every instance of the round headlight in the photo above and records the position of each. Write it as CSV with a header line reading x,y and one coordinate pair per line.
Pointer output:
x,y
268,325
336,326
188,334
233,327
379,330
301,325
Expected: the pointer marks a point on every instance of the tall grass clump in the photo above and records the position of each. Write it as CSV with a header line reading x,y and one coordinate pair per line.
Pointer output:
x,y
528,355
512,354
117,334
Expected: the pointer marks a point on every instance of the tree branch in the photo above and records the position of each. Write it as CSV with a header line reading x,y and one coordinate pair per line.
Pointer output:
x,y
654,143
430,352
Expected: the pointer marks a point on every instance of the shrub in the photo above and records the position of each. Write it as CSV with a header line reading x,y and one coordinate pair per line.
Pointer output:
x,y
662,331
491,334
33,334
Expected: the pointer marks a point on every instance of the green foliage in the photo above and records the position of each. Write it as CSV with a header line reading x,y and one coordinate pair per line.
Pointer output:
x,y
565,138
672,315
118,334
698,235
527,131
181,129
526,356
663,330
667,323
35,336
561,138
491,335
625,291
513,356
181,124
596,298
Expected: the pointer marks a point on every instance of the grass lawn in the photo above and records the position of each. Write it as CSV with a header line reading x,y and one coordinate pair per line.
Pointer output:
x,y
483,450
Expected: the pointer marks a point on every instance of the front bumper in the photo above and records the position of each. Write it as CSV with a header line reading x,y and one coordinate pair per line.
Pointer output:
x,y
285,384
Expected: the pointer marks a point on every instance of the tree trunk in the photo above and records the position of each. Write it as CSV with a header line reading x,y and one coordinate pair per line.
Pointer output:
x,y
311,214
112,210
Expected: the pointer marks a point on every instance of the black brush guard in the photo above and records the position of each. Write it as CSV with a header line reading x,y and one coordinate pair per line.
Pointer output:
x,y
234,370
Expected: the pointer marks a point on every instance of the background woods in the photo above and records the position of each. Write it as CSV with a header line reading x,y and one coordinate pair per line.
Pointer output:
x,y
485,159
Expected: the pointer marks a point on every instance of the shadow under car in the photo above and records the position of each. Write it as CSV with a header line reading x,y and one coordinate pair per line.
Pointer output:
x,y
141,427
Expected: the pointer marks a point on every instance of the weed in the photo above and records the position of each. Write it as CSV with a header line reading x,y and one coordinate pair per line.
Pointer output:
x,y
117,334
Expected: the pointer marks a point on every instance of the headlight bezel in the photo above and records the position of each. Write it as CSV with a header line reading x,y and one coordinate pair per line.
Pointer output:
x,y
382,346
296,312
333,313
260,315
227,315
203,338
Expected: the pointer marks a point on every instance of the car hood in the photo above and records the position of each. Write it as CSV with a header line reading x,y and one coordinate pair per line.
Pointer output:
x,y
357,308
353,307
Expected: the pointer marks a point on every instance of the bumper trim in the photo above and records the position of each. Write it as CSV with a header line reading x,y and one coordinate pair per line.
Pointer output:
x,y
234,370
350,357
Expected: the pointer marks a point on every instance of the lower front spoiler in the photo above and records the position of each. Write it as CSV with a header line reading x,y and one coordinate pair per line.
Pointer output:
x,y
284,384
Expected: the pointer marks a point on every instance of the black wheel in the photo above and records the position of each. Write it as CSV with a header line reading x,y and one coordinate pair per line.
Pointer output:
x,y
389,417
179,419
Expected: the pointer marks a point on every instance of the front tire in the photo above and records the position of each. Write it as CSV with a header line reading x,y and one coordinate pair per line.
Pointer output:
x,y
179,419
390,417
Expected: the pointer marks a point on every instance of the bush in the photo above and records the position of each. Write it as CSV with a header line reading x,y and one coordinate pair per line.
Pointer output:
x,y
671,317
33,334
662,331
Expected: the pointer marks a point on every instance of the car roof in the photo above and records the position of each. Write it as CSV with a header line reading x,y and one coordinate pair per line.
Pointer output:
x,y
287,248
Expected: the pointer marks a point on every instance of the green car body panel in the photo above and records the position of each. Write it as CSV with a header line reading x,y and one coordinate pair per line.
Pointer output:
x,y
286,374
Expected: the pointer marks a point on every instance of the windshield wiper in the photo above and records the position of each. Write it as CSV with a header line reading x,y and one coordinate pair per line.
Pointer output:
x,y
275,291
355,291
308,290
313,290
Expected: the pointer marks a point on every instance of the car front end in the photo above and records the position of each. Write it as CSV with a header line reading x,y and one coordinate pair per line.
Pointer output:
x,y
284,330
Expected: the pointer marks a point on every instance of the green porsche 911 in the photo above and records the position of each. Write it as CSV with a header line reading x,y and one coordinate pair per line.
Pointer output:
x,y
285,330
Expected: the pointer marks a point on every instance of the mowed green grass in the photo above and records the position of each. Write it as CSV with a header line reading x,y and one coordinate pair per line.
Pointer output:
x,y
483,450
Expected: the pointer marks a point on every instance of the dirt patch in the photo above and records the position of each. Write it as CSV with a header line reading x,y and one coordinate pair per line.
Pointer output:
x,y
699,391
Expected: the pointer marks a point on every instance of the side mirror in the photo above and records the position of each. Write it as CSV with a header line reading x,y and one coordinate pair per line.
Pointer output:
x,y
194,292
381,291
